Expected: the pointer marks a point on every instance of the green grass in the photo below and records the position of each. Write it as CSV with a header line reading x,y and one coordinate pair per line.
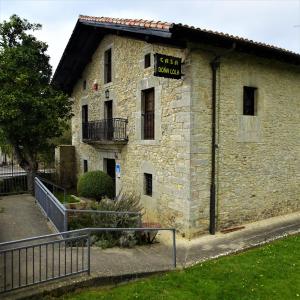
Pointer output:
x,y
69,198
268,272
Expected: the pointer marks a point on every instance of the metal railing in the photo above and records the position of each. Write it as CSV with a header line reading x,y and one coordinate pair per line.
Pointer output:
x,y
53,187
52,208
30,261
22,266
105,130
59,215
13,179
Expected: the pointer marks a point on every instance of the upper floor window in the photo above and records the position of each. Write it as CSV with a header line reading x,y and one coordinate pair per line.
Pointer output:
x,y
84,85
147,60
249,101
85,113
148,117
85,120
107,66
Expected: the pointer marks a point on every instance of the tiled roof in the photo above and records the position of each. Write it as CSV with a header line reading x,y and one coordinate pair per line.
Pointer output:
x,y
128,22
165,26
237,38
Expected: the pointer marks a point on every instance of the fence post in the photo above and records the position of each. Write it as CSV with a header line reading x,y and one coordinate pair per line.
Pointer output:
x,y
89,253
174,247
65,220
140,220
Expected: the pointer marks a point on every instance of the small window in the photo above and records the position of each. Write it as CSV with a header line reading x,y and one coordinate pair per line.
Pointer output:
x,y
85,113
147,60
249,103
107,66
85,165
148,184
84,85
85,121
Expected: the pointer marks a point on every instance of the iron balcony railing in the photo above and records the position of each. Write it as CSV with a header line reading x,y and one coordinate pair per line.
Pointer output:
x,y
105,130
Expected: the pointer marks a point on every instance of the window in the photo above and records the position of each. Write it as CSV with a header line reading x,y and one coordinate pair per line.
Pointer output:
x,y
85,120
148,114
147,60
148,184
85,165
84,85
107,66
85,114
249,103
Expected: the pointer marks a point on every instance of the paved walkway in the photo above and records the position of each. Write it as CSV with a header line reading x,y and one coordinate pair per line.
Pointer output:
x,y
21,218
158,257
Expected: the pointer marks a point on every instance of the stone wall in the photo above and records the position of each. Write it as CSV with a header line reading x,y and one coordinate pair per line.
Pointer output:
x,y
258,169
65,165
258,156
166,157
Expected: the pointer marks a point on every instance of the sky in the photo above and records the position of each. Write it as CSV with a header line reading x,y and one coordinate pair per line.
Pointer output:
x,y
276,22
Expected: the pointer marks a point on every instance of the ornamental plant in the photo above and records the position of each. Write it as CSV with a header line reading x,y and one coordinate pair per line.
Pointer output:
x,y
95,185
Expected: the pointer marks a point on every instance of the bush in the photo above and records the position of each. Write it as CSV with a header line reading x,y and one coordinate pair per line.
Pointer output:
x,y
130,203
95,185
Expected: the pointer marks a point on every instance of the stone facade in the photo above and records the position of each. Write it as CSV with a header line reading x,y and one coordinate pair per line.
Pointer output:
x,y
258,169
65,165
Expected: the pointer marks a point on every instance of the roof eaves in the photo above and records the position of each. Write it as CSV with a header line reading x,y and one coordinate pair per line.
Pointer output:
x,y
125,28
176,28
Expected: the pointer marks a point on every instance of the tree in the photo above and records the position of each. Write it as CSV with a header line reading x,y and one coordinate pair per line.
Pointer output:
x,y
31,110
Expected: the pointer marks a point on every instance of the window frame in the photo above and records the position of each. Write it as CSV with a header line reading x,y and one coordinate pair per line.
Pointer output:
x,y
108,66
147,60
249,101
148,184
147,133
85,166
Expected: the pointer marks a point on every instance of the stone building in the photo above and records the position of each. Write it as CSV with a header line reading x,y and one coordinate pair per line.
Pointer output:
x,y
216,146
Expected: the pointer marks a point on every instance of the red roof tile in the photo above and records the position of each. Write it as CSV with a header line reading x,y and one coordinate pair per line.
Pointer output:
x,y
165,26
128,22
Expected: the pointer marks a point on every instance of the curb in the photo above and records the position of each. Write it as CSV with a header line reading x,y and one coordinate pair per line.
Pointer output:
x,y
77,283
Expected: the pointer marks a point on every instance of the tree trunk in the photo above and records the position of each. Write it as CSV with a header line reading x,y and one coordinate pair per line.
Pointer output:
x,y
31,173
29,164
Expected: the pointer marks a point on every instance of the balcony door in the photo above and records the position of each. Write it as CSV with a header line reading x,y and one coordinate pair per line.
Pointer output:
x,y
108,112
148,114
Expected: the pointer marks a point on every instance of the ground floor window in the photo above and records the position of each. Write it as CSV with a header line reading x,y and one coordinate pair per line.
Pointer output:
x,y
110,168
148,184
85,165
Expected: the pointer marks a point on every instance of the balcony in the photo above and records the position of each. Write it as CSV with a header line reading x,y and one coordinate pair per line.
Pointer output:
x,y
106,131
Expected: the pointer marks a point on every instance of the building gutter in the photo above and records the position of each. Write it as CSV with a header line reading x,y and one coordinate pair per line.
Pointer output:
x,y
215,65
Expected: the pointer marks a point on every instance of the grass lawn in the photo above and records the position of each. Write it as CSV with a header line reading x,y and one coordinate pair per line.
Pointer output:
x,y
69,198
269,272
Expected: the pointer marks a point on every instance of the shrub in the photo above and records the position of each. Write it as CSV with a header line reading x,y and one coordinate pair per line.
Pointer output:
x,y
95,185
124,202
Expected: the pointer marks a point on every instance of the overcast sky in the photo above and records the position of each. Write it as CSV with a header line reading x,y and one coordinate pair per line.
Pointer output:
x,y
276,22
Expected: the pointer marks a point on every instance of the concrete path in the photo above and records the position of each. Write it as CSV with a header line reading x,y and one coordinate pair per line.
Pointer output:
x,y
124,263
208,246
21,218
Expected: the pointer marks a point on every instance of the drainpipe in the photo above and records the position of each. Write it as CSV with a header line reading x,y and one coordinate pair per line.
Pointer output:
x,y
215,64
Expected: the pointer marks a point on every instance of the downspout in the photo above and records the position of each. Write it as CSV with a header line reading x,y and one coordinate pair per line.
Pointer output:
x,y
215,65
